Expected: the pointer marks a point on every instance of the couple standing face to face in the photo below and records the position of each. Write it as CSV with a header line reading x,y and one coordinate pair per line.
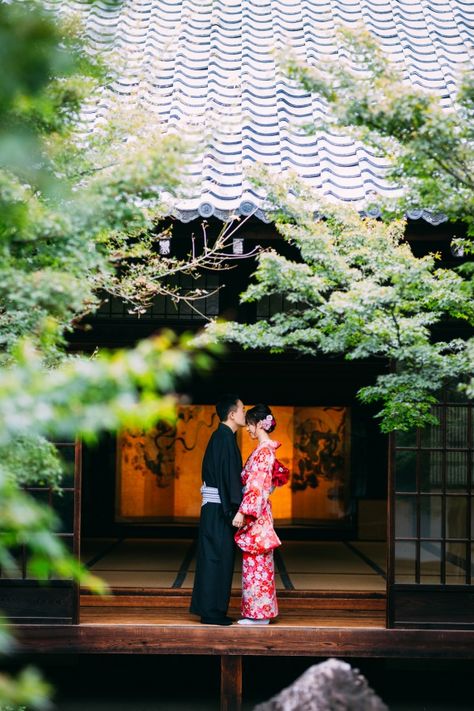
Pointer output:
x,y
236,419
255,534
222,495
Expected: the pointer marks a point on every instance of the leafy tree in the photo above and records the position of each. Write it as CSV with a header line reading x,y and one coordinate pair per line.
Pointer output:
x,y
81,213
427,139
357,289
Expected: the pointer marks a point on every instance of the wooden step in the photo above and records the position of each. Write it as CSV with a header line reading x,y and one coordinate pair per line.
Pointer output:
x,y
288,600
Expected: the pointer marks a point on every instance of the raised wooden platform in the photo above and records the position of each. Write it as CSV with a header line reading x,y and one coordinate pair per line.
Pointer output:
x,y
121,629
161,630
332,601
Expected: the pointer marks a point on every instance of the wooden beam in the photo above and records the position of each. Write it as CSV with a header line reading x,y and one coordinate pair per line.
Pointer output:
x,y
277,640
231,683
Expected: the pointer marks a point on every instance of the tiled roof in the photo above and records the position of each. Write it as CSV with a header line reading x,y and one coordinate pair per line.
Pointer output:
x,y
209,67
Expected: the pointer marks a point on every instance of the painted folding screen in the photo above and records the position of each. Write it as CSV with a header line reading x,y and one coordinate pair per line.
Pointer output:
x,y
159,472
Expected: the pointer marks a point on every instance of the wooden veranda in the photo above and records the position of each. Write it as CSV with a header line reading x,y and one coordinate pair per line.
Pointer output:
x,y
319,625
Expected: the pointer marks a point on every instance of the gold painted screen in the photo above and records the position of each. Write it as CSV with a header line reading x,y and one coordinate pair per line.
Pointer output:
x,y
159,472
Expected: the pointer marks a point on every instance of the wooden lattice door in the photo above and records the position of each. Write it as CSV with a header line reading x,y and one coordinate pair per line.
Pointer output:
x,y
431,522
25,599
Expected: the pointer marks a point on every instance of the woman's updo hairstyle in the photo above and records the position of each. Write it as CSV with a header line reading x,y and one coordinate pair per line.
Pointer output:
x,y
261,413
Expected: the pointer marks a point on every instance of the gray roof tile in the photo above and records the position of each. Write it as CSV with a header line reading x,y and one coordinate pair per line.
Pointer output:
x,y
208,66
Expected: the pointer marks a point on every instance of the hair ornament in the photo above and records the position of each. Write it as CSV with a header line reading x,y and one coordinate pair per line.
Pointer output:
x,y
268,422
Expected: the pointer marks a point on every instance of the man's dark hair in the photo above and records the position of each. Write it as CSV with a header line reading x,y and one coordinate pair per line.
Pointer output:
x,y
226,404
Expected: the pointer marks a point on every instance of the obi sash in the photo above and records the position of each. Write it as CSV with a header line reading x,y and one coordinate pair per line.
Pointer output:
x,y
210,495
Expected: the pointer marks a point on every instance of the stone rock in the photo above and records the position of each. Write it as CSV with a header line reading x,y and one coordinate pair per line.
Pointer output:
x,y
330,686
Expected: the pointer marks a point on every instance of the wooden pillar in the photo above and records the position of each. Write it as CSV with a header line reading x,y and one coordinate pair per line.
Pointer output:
x,y
231,682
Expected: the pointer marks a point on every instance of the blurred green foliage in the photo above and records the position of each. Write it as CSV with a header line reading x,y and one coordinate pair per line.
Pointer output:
x,y
67,199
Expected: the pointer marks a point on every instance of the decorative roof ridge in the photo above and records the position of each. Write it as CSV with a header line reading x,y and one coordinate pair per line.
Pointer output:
x,y
248,208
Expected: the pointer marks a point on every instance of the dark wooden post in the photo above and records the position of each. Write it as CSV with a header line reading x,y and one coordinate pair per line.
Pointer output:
x,y
231,682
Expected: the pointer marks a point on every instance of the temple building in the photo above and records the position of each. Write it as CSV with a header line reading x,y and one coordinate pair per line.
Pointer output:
x,y
378,531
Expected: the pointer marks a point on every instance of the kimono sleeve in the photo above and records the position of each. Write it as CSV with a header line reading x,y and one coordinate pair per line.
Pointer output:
x,y
257,488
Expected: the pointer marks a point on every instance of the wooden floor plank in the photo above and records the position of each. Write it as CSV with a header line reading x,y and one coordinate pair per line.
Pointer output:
x,y
173,616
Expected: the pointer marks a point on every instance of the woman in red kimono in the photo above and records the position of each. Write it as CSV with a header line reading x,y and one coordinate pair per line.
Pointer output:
x,y
256,536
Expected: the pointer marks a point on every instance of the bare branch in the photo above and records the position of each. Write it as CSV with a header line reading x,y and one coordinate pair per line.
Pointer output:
x,y
141,282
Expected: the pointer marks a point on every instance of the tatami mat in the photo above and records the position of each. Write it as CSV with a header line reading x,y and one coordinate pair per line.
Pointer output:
x,y
375,550
90,547
326,558
237,567
309,565
164,563
311,581
137,578
144,555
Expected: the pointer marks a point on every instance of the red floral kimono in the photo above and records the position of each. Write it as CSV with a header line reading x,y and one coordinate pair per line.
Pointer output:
x,y
257,538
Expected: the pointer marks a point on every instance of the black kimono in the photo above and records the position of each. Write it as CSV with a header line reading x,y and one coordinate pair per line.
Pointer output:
x,y
221,468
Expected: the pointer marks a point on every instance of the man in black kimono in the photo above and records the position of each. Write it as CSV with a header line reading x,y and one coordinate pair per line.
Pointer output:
x,y
221,497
